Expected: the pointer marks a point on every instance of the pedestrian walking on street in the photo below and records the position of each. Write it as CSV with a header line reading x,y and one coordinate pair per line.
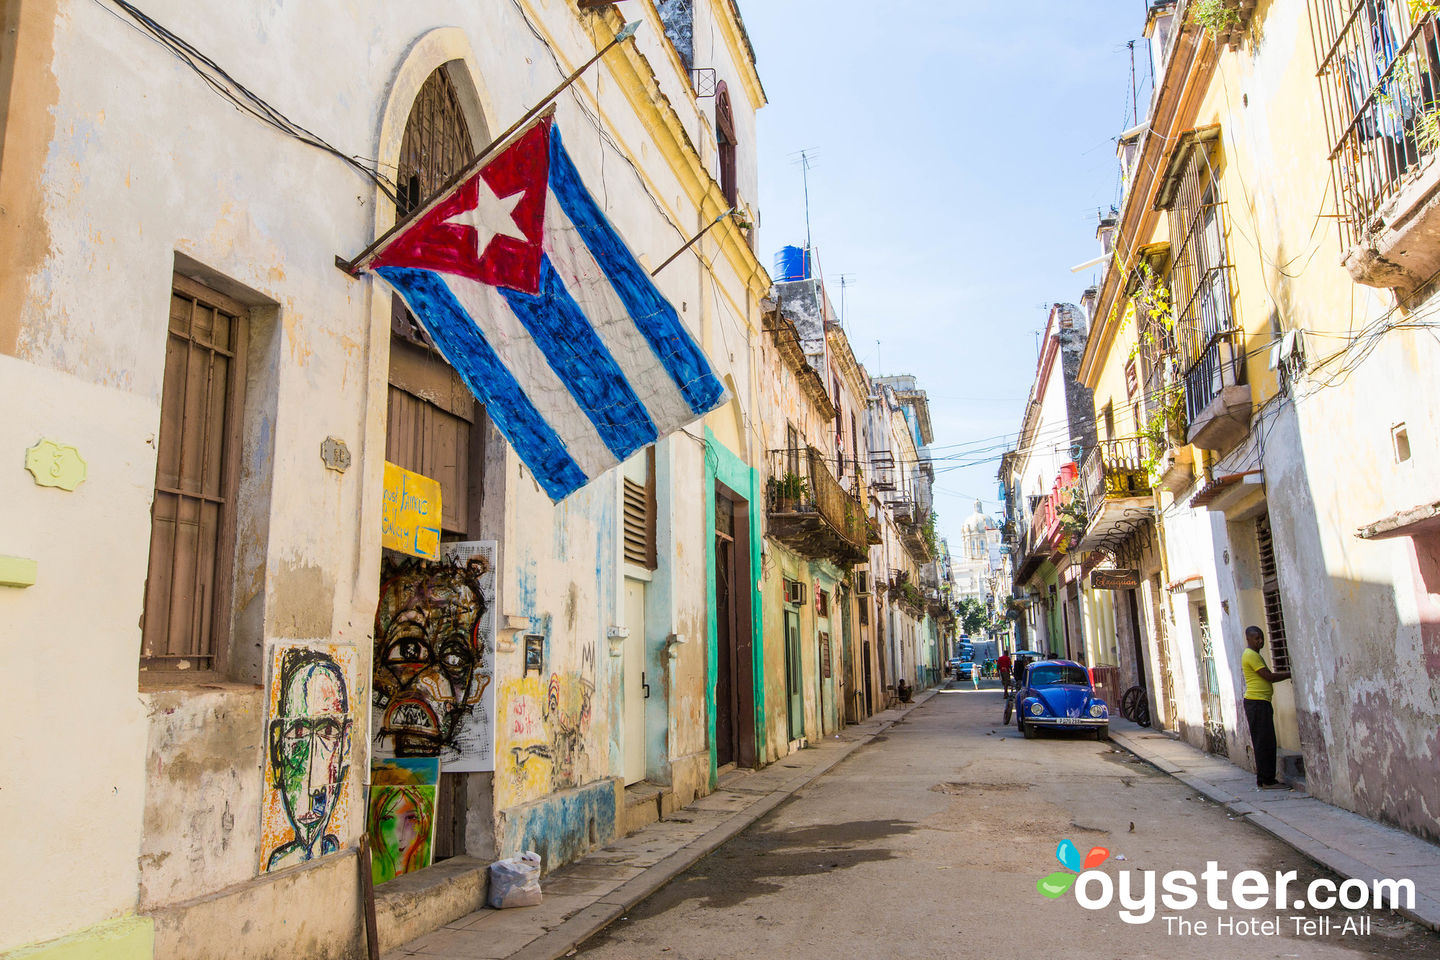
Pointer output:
x,y
975,675
1260,683
1003,666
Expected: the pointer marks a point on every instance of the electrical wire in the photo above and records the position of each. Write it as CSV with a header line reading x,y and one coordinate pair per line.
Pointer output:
x,y
241,97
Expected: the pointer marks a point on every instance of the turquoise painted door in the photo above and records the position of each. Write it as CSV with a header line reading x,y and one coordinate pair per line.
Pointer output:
x,y
795,696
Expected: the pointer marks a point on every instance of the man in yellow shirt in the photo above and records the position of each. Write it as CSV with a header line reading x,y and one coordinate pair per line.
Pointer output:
x,y
1259,688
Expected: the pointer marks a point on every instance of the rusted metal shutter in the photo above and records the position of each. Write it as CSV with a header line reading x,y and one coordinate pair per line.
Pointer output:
x,y
187,591
431,412
1270,588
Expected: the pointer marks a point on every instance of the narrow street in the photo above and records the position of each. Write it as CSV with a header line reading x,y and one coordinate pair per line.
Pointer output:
x,y
929,843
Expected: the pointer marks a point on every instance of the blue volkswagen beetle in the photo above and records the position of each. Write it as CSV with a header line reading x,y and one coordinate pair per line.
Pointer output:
x,y
1057,694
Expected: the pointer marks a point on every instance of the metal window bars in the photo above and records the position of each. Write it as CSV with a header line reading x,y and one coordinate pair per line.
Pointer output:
x,y
1379,73
1207,335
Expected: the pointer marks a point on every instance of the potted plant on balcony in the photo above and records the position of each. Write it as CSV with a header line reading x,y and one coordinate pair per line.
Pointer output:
x,y
791,490
1074,518
1168,459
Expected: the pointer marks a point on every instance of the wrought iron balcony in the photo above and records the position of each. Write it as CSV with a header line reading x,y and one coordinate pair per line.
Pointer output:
x,y
1118,494
1047,529
811,512
1217,397
1378,83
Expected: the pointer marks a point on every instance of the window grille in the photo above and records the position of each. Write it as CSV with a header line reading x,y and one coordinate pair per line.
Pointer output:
x,y
431,413
1379,72
1270,587
186,620
435,145
1207,337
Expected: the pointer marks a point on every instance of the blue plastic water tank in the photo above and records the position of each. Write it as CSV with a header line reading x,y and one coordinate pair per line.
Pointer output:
x,y
792,263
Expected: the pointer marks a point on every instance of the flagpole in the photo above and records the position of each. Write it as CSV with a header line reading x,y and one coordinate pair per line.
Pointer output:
x,y
355,267
692,241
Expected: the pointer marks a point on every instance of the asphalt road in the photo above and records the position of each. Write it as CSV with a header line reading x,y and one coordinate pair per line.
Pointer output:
x,y
929,843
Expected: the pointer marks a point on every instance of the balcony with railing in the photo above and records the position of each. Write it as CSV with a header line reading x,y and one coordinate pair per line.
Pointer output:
x,y
1217,395
1047,533
1380,88
1118,495
913,536
811,512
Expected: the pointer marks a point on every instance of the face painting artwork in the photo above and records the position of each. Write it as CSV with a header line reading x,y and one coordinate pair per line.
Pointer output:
x,y
309,754
430,658
401,818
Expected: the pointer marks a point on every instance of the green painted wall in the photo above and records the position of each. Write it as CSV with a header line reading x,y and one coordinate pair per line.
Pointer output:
x,y
723,465
128,938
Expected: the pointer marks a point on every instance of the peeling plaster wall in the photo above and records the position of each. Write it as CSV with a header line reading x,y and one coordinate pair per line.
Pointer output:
x,y
120,167
1360,615
201,793
1366,649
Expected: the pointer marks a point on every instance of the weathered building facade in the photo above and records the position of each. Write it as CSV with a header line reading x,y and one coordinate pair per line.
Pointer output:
x,y
1259,345
214,454
1042,483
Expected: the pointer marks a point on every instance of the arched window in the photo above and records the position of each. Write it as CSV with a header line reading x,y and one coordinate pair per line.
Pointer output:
x,y
437,142
432,416
725,139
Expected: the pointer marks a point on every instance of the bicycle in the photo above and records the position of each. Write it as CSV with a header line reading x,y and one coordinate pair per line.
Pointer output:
x,y
1009,704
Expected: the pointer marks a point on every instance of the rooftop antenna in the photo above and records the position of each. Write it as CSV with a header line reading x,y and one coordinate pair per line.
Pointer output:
x,y
806,160
1134,93
846,280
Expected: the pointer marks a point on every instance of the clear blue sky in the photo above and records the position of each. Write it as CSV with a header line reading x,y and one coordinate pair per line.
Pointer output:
x,y
961,150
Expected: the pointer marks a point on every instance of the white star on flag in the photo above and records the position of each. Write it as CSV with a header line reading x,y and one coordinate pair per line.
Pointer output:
x,y
491,217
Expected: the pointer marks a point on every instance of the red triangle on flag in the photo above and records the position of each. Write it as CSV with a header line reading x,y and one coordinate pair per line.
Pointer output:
x,y
490,227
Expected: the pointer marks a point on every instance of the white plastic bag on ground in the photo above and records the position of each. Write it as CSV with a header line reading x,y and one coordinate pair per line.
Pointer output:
x,y
515,881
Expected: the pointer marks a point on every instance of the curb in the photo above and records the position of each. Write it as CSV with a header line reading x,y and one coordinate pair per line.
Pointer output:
x,y
1426,911
589,921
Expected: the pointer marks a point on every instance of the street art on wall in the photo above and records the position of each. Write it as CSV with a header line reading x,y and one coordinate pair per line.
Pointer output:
x,y
567,713
546,731
307,787
434,659
401,820
526,763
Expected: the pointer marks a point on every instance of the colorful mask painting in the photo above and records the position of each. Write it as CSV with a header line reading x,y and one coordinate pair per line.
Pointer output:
x,y
433,662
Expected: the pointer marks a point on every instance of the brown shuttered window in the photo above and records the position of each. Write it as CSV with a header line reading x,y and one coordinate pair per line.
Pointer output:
x,y
1270,587
640,514
187,591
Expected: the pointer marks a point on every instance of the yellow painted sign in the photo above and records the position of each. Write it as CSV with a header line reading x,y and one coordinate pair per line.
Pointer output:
x,y
411,515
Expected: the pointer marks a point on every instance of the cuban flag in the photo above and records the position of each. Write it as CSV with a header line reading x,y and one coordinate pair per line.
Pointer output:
x,y
530,294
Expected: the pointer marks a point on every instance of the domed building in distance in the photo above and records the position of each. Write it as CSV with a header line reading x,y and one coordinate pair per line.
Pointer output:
x,y
979,556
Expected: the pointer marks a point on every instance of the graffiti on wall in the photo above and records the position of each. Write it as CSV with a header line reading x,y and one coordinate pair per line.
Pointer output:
x,y
546,730
308,792
401,819
526,760
434,658
567,714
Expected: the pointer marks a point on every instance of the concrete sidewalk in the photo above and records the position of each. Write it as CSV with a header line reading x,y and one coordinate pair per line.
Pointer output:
x,y
1345,843
584,897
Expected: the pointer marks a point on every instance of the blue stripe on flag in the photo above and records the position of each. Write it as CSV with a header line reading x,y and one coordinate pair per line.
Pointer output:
x,y
485,374
583,363
652,313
